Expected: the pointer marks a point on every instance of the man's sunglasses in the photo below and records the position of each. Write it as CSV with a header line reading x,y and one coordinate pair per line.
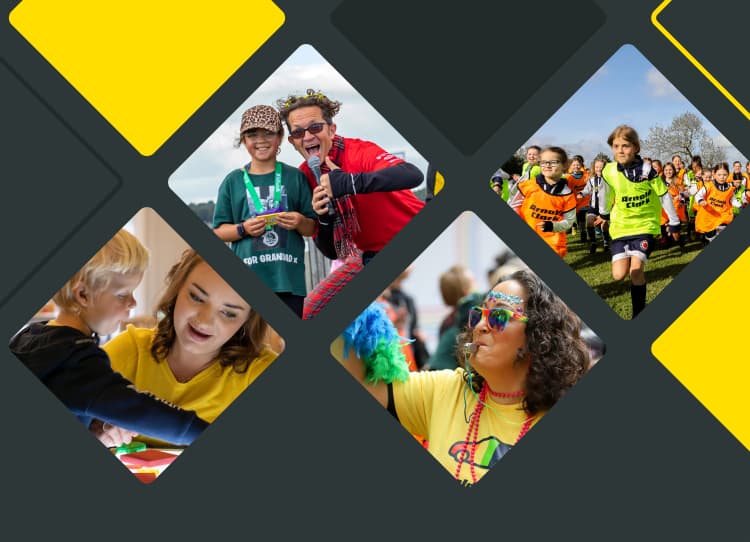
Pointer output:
x,y
497,318
314,128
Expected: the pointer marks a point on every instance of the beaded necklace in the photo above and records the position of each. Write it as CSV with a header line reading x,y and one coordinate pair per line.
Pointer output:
x,y
505,395
472,435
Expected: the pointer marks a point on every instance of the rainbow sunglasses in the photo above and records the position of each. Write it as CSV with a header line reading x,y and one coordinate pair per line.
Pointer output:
x,y
497,317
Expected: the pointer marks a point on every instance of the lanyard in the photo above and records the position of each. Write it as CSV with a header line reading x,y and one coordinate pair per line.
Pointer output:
x,y
276,189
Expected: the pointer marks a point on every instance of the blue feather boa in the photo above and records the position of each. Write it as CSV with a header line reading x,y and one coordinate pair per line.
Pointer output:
x,y
374,339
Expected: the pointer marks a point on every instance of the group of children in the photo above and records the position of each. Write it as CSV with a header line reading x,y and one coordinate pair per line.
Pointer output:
x,y
706,197
630,202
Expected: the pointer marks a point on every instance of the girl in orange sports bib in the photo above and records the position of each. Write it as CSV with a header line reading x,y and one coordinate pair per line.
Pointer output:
x,y
715,201
546,202
577,178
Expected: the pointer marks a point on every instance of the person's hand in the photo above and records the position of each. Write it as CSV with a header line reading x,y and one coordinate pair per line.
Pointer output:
x,y
110,435
254,226
579,196
599,220
497,187
702,203
325,181
289,220
546,226
320,200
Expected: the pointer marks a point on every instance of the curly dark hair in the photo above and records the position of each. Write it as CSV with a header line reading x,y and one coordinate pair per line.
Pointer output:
x,y
328,107
238,352
559,355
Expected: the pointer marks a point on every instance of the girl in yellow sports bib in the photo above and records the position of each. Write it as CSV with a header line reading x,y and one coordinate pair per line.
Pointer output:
x,y
636,197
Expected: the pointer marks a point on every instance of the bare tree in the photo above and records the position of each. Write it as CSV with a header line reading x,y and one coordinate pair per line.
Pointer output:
x,y
711,153
685,136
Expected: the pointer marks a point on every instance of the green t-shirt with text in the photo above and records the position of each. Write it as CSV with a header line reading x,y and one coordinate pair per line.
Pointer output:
x,y
277,255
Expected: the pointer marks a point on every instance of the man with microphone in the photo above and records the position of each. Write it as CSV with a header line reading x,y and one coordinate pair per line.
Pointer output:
x,y
361,193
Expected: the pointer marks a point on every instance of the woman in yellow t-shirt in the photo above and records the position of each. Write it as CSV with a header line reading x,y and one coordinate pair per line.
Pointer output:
x,y
206,348
522,350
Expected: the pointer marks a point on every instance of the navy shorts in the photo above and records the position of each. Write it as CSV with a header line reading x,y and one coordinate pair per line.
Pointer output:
x,y
639,246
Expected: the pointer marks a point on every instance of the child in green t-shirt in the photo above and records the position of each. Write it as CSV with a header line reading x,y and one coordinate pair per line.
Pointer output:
x,y
265,208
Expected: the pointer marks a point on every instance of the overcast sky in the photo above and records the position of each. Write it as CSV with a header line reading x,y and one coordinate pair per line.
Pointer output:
x,y
198,178
627,89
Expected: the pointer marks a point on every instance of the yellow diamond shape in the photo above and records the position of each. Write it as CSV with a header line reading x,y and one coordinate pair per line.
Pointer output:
x,y
146,66
706,350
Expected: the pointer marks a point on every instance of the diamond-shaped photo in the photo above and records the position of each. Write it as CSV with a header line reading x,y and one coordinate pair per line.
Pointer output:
x,y
468,349
628,182
146,345
305,182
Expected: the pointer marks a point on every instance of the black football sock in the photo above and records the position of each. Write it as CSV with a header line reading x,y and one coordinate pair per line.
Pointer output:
x,y
638,298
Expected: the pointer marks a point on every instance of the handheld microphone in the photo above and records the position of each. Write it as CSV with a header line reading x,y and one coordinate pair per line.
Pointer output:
x,y
313,162
469,348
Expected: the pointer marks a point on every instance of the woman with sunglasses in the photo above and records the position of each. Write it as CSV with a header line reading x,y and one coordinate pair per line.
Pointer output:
x,y
521,351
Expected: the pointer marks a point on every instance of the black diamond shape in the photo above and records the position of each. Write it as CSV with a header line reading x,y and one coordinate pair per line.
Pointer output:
x,y
714,54
467,86
55,165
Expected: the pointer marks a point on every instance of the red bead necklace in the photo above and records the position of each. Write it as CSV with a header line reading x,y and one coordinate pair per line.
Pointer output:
x,y
472,435
506,395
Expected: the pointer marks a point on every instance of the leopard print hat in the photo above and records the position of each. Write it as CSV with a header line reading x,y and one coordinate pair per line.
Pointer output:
x,y
261,116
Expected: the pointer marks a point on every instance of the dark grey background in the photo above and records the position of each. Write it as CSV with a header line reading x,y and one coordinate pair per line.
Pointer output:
x,y
628,454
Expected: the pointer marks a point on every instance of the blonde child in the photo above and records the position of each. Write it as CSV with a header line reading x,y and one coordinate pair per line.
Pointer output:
x,y
64,353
